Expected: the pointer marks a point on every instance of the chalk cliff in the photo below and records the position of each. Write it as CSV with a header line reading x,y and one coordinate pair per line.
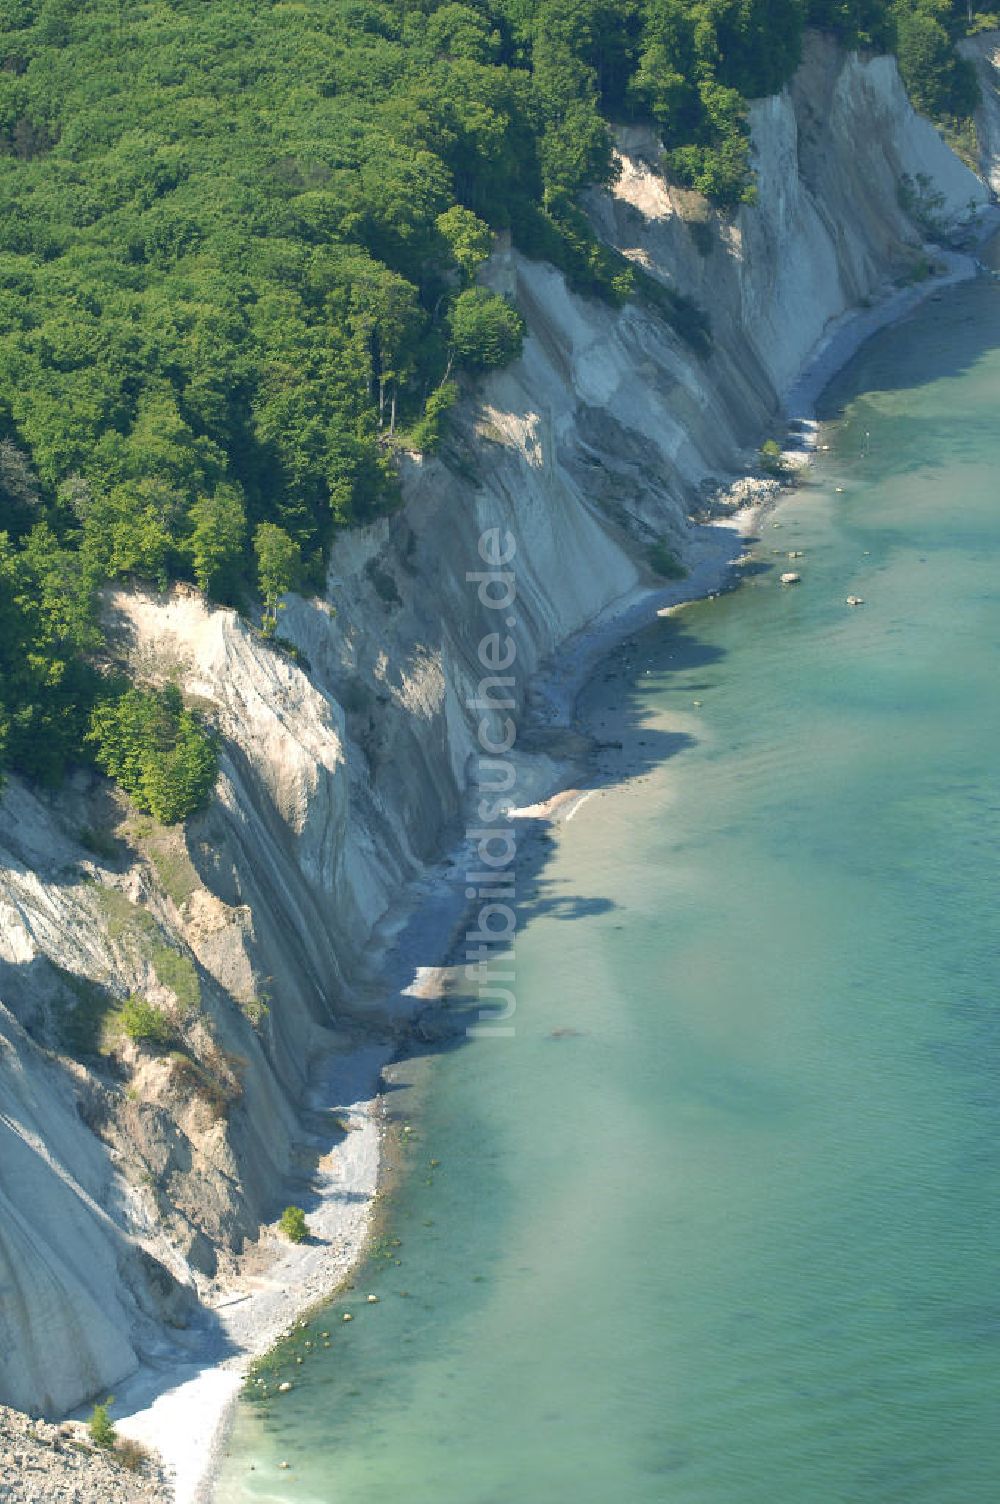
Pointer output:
x,y
124,1188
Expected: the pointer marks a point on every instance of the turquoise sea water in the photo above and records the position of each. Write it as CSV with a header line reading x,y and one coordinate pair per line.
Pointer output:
x,y
733,1239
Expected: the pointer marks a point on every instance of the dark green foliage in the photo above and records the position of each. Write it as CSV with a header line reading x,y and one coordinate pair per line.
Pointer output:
x,y
923,203
857,23
698,65
665,562
46,622
218,541
20,496
485,330
681,312
426,435
939,82
922,34
156,750
279,565
225,234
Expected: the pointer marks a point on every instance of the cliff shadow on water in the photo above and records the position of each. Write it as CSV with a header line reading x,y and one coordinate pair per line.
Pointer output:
x,y
947,335
611,724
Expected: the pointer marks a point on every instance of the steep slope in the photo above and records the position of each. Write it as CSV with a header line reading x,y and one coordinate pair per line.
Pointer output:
x,y
129,1181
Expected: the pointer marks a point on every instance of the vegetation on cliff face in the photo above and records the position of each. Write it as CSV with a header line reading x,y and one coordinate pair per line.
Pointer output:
x,y
238,257
155,750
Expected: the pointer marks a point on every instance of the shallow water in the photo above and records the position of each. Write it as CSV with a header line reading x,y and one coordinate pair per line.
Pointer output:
x,y
733,1240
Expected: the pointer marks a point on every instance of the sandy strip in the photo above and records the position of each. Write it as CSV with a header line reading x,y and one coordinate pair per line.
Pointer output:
x,y
548,809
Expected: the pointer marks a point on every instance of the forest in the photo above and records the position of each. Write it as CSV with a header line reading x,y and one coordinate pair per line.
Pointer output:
x,y
239,246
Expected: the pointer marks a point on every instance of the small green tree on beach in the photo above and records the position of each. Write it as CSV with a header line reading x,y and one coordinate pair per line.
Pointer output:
x,y
293,1224
102,1432
771,459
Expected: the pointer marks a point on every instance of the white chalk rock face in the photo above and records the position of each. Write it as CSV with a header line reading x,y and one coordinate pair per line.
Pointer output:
x,y
72,1279
983,51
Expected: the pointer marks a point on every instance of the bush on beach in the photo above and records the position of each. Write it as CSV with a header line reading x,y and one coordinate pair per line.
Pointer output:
x,y
293,1225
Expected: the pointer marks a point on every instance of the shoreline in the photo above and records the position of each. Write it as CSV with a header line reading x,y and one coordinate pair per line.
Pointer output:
x,y
182,1406
557,687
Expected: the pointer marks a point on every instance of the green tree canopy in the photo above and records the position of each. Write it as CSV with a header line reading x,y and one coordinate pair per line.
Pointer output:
x,y
279,564
218,539
485,329
156,750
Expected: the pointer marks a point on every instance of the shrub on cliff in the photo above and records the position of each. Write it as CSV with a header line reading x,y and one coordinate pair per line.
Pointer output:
x,y
486,331
159,752
145,1024
425,436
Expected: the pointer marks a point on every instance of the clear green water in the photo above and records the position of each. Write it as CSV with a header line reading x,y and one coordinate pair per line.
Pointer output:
x,y
734,1241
